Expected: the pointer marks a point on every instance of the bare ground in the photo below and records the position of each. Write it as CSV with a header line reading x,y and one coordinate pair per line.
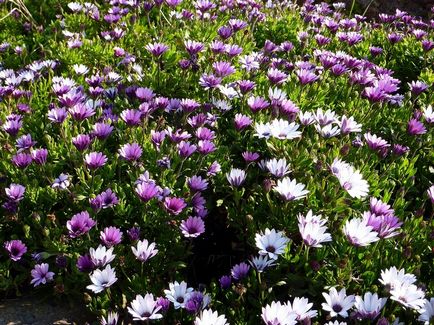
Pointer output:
x,y
33,311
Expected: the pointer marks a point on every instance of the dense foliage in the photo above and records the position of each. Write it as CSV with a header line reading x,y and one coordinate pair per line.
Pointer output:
x,y
226,161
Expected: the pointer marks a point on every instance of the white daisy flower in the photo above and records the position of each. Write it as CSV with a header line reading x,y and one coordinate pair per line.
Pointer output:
x,y
290,190
359,233
302,308
408,295
282,129
337,303
369,306
393,277
178,294
144,308
102,279
324,118
427,312
208,317
271,243
349,125
263,130
276,313
278,168
101,256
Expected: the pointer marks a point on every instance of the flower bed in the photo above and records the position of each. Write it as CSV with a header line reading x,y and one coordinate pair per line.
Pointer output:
x,y
218,162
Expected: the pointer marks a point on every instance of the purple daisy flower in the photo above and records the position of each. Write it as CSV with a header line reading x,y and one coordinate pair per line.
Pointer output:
x,y
15,192
79,224
41,275
192,227
242,121
131,116
157,49
95,160
85,264
196,183
130,152
174,205
133,233
415,127
39,156
147,190
250,156
225,281
240,271
102,130
81,141
22,159
111,236
16,249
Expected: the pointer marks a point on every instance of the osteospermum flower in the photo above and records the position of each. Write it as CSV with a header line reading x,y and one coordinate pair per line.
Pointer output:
x,y
430,193
312,230
192,227
359,233
174,205
112,318
102,280
15,192
101,256
236,177
369,306
208,317
130,152
41,275
144,308
271,243
427,311
290,190
178,294
278,167
282,129
351,180
408,295
278,314
303,309
61,182
95,160
261,262
240,271
144,250
337,303
79,224
393,277
15,248
111,236
147,191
